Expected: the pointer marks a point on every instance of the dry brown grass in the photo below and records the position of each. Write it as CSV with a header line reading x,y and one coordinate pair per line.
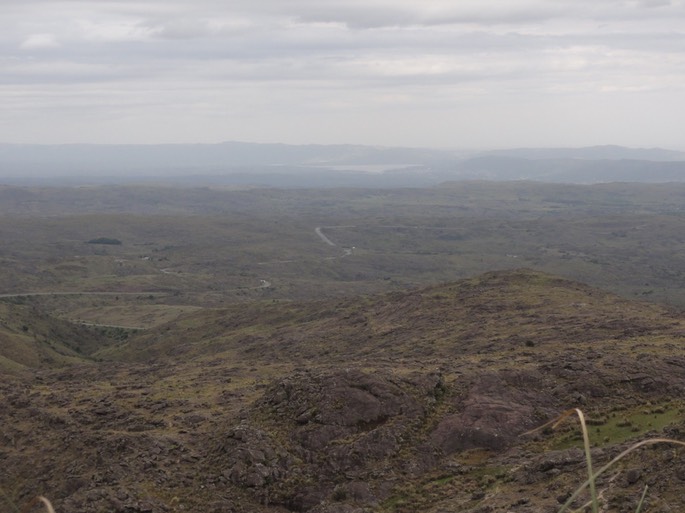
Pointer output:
x,y
36,501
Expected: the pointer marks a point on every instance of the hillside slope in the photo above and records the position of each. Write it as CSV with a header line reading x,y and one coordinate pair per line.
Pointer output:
x,y
31,339
403,402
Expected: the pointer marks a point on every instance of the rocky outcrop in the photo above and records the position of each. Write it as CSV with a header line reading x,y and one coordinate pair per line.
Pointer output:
x,y
326,428
496,409
252,458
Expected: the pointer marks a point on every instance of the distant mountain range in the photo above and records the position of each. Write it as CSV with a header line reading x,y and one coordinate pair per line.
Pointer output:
x,y
607,152
280,165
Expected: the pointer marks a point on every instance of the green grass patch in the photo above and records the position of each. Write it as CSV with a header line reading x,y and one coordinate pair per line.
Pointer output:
x,y
443,480
621,425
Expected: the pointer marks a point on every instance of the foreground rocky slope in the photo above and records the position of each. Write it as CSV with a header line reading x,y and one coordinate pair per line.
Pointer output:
x,y
403,402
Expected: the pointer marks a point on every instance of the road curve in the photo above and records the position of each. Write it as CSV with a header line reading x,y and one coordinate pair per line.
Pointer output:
x,y
323,237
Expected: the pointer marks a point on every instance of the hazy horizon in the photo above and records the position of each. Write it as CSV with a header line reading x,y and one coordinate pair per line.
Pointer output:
x,y
282,165
453,149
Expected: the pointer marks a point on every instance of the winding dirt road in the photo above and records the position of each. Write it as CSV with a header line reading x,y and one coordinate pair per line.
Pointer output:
x,y
323,236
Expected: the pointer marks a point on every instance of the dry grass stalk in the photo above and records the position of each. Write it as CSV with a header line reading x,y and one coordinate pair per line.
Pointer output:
x,y
39,500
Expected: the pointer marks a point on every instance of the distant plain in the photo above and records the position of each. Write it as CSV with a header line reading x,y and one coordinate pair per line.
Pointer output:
x,y
186,248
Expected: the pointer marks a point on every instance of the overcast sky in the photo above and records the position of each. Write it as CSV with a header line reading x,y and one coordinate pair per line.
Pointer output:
x,y
434,73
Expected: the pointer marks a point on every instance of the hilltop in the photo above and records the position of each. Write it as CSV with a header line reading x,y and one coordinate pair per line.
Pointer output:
x,y
402,401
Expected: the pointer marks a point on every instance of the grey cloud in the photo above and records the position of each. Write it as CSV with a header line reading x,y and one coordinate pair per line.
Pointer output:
x,y
211,61
180,29
655,3
397,14
37,41
199,27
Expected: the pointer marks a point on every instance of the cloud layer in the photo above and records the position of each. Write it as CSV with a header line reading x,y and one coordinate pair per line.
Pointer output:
x,y
473,73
